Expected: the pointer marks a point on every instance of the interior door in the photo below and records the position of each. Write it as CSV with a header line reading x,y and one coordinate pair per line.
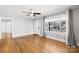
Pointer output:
x,y
38,27
6,27
9,26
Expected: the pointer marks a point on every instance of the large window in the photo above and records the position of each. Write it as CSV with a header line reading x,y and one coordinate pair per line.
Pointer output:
x,y
56,24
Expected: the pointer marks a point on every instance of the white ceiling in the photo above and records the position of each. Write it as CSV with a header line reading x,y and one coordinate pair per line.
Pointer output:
x,y
15,11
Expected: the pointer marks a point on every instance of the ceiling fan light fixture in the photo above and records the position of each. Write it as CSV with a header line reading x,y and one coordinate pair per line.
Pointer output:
x,y
31,13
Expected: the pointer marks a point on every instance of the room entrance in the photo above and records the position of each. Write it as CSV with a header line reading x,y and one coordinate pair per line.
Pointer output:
x,y
6,29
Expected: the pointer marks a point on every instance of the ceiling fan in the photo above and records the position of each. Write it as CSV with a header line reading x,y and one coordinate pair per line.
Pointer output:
x,y
31,12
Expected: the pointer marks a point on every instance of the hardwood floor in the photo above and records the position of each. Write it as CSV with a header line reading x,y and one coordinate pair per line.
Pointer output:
x,y
34,44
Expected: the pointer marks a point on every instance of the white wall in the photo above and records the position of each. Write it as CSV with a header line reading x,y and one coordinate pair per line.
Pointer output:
x,y
20,26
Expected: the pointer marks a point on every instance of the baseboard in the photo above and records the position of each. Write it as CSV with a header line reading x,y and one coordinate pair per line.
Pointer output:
x,y
30,34
61,40
38,34
22,35
55,38
35,34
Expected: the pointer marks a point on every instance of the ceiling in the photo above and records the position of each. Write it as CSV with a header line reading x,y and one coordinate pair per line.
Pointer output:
x,y
15,11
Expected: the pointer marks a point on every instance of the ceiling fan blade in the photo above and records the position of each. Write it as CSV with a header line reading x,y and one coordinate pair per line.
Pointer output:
x,y
34,14
37,13
29,14
26,12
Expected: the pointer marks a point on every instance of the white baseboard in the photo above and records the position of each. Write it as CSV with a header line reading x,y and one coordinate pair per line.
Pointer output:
x,y
38,34
55,38
21,35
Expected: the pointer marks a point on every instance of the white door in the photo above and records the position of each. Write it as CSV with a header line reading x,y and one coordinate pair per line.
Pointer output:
x,y
6,26
38,27
9,26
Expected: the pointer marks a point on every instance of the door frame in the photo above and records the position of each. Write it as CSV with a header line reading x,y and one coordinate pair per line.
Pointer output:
x,y
5,20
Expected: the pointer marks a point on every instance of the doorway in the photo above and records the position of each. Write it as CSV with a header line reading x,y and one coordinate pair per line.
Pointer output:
x,y
6,28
